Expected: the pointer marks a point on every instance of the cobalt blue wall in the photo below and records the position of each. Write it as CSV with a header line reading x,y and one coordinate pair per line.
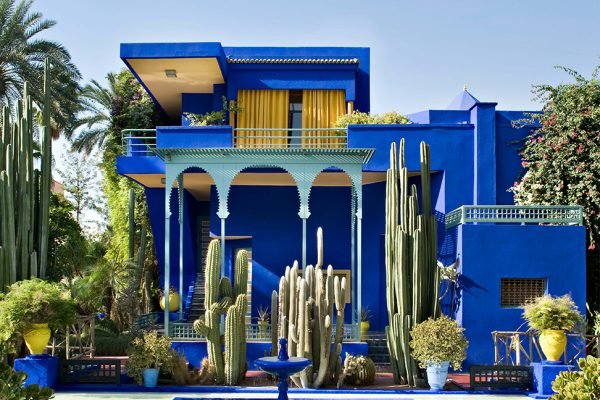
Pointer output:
x,y
490,252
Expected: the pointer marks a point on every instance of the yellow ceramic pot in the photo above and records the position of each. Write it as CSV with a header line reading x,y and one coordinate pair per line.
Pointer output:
x,y
364,328
553,343
173,302
36,338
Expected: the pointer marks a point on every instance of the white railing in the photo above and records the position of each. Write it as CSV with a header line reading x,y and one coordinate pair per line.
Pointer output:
x,y
523,348
290,138
138,142
536,214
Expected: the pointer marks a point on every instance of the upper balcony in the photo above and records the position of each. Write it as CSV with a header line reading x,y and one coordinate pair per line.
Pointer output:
x,y
142,142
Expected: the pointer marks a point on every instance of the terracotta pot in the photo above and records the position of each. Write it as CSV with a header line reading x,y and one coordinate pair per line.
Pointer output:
x,y
553,343
173,302
37,337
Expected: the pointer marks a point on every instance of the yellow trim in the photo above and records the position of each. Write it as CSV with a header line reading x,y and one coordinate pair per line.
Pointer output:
x,y
350,105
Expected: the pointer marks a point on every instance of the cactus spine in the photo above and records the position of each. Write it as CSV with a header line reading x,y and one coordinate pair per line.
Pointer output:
x,y
412,282
358,371
24,201
306,315
230,368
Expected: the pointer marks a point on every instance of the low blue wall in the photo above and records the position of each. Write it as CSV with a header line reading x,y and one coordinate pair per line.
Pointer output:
x,y
194,352
490,252
177,137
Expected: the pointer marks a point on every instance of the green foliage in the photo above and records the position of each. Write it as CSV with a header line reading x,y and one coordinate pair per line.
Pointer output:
x,y
23,52
263,313
439,340
579,385
361,118
112,346
67,247
365,314
213,117
34,301
79,182
547,312
11,386
562,157
150,351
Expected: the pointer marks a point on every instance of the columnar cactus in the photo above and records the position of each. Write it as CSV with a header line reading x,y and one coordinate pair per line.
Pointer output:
x,y
24,197
306,315
231,367
412,281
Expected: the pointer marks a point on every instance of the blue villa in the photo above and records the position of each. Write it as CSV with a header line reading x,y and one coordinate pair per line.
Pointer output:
x,y
279,170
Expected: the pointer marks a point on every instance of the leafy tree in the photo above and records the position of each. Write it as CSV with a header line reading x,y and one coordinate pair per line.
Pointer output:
x,y
562,159
79,180
67,247
22,55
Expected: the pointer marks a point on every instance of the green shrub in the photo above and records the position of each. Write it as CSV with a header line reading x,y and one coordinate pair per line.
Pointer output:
x,y
579,385
438,340
150,351
112,345
34,301
11,386
547,312
361,118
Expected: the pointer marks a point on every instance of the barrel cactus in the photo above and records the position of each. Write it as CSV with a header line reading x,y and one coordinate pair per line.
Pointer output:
x,y
223,298
412,276
358,371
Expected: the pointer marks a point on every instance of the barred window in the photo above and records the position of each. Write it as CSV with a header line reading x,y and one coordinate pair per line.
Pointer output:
x,y
516,292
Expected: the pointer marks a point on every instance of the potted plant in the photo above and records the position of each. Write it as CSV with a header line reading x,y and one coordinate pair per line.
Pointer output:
x,y
32,308
263,321
150,355
173,300
551,316
365,316
436,344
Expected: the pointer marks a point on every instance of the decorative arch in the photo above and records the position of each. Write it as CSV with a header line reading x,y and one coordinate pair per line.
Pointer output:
x,y
175,175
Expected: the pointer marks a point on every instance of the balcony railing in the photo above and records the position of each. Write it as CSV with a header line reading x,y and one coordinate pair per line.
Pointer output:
x,y
557,215
141,142
299,138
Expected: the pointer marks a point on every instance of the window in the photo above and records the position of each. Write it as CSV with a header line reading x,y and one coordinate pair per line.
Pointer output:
x,y
516,292
295,118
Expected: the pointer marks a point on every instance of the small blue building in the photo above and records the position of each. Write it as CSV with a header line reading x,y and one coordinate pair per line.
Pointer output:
x,y
279,169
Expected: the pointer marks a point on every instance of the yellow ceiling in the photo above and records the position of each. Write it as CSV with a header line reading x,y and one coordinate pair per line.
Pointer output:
x,y
194,75
198,184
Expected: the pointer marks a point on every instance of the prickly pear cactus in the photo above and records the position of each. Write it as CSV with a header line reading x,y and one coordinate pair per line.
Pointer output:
x,y
307,308
358,371
230,368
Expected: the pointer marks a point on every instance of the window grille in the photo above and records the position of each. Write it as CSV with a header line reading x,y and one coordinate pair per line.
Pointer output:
x,y
516,292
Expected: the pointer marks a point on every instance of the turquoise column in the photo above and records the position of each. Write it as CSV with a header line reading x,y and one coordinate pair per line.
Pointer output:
x,y
180,193
355,316
167,283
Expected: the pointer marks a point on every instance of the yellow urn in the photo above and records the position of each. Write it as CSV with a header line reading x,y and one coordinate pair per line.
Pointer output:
x,y
173,302
553,343
37,337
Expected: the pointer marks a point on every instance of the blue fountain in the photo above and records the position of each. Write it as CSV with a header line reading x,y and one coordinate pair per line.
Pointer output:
x,y
282,367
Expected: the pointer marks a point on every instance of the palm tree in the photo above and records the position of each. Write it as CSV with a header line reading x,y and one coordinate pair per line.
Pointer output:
x,y
22,56
97,103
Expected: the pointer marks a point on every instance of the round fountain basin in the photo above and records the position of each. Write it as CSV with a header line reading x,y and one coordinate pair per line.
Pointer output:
x,y
274,366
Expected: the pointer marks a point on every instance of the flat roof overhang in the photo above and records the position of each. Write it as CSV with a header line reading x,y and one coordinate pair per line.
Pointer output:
x,y
198,67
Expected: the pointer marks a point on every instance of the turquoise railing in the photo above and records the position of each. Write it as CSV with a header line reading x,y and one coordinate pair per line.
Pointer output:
x,y
537,214
138,142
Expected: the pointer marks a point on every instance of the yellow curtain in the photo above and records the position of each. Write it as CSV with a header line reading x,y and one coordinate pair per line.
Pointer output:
x,y
320,109
263,109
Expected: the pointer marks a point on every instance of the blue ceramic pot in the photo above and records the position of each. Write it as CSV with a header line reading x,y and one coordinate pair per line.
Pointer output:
x,y
150,377
437,374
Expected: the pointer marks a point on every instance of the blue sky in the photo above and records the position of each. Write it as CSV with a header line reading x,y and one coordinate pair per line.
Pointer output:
x,y
422,52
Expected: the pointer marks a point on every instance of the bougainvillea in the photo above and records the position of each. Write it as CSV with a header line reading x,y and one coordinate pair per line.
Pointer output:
x,y
561,158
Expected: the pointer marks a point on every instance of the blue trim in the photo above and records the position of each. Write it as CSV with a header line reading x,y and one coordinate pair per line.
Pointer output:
x,y
269,389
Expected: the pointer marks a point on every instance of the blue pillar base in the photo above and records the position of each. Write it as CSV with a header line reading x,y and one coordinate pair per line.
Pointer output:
x,y
543,376
41,370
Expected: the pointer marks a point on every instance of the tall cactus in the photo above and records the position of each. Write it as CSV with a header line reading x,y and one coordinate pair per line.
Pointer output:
x,y
24,200
412,281
231,367
305,318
